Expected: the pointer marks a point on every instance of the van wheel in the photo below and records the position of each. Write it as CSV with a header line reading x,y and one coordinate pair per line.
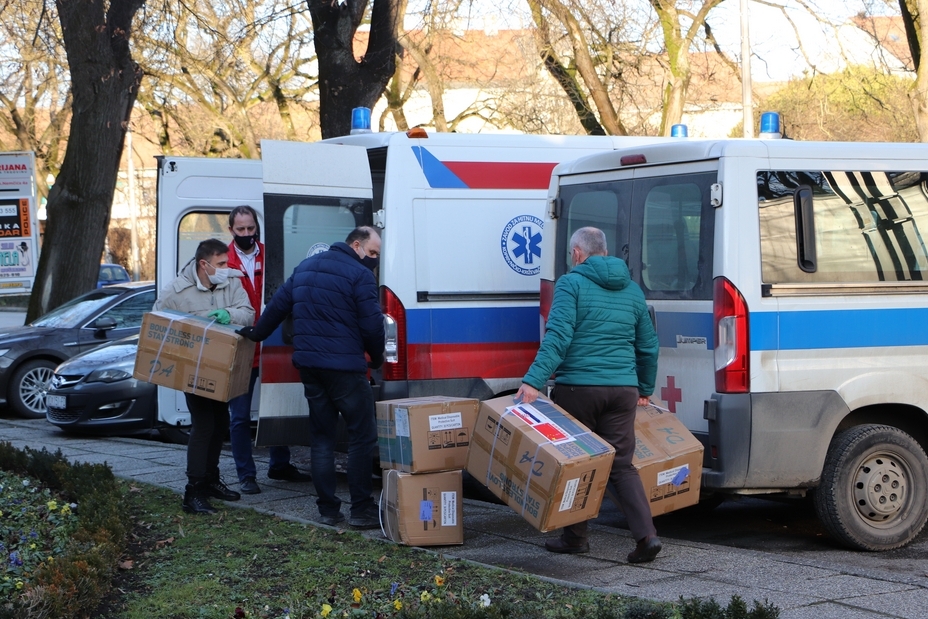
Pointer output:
x,y
29,386
873,493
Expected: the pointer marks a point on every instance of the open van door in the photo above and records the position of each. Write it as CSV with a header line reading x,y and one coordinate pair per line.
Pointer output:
x,y
194,198
315,194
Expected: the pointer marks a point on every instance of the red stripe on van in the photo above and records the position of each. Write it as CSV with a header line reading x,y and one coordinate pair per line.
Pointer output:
x,y
501,175
432,361
277,365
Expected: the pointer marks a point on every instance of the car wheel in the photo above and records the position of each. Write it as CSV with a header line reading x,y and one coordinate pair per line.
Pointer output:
x,y
29,386
873,494
179,435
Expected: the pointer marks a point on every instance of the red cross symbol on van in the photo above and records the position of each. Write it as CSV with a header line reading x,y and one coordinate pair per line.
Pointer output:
x,y
671,394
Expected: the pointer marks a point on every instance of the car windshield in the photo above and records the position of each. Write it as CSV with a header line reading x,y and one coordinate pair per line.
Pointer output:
x,y
74,312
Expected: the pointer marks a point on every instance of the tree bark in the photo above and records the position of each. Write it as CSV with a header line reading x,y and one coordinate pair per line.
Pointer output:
x,y
104,83
915,18
345,82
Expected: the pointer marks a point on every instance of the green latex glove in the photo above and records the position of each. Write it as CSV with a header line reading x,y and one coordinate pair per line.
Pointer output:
x,y
222,316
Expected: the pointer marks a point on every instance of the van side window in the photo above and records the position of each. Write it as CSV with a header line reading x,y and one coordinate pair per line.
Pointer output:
x,y
868,226
196,227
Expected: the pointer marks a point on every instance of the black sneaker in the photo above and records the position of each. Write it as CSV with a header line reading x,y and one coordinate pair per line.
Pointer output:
x,y
331,520
250,486
366,521
288,473
218,490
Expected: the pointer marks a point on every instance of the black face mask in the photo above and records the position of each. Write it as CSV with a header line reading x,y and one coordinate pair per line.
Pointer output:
x,y
370,262
245,243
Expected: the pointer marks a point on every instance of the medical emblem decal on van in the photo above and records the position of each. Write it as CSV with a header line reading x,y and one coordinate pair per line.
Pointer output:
x,y
521,244
317,248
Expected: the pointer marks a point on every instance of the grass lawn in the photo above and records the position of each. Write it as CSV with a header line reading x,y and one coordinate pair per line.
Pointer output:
x,y
240,563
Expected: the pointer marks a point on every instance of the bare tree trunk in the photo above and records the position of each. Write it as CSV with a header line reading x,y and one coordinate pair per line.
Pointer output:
x,y
104,83
344,82
915,18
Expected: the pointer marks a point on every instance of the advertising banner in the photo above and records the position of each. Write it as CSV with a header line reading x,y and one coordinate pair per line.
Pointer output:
x,y
19,244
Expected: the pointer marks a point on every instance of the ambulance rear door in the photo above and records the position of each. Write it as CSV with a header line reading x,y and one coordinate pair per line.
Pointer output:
x,y
194,198
315,194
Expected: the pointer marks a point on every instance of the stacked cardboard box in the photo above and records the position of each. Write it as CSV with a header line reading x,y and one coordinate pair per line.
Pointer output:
x,y
541,461
193,354
423,448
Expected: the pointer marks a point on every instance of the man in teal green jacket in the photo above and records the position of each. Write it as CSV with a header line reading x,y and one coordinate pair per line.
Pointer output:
x,y
601,347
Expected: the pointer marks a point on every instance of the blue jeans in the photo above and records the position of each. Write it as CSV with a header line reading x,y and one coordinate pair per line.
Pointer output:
x,y
329,393
240,435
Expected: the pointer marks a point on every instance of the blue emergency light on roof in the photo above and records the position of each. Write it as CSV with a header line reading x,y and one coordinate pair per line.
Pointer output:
x,y
679,131
360,120
770,126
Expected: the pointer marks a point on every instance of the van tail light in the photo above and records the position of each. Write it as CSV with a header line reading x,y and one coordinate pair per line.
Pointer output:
x,y
547,296
732,348
394,322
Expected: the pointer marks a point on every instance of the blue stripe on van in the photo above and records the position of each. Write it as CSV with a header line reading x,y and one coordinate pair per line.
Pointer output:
x,y
806,330
472,325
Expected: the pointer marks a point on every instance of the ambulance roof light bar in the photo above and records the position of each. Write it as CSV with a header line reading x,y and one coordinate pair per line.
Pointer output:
x,y
770,126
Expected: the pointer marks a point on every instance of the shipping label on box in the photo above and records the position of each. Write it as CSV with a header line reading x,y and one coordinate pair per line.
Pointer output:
x,y
423,509
428,434
668,458
193,354
542,462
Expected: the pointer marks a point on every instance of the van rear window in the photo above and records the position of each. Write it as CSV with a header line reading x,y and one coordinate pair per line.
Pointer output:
x,y
867,226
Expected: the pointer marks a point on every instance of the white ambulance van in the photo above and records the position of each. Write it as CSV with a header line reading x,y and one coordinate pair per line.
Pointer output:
x,y
461,221
787,286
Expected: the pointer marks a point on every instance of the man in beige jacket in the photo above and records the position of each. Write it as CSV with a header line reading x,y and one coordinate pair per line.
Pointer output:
x,y
207,287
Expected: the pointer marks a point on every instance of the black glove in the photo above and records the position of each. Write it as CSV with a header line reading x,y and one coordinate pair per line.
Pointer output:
x,y
249,332
375,363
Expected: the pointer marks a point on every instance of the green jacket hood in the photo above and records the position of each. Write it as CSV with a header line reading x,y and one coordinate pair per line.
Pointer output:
x,y
607,272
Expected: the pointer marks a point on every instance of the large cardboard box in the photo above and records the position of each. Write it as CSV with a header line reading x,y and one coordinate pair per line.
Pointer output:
x,y
668,458
541,461
423,510
425,435
193,354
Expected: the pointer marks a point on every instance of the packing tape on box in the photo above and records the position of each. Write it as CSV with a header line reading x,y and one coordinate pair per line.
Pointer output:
x,y
196,374
160,348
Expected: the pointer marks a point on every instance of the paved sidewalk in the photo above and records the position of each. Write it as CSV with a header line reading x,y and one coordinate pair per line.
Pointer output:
x,y
494,535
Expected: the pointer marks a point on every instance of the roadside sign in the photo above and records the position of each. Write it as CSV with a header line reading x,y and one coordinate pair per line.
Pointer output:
x,y
19,236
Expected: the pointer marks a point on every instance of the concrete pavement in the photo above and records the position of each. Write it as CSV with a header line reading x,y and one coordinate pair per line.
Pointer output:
x,y
494,535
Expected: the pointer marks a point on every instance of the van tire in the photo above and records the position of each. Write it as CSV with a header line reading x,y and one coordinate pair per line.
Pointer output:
x,y
178,435
873,493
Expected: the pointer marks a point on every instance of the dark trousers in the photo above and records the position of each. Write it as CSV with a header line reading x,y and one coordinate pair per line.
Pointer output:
x,y
330,393
209,423
610,413
240,436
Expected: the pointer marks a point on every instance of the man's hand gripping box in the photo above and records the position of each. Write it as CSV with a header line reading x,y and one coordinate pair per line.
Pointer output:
x,y
541,461
194,355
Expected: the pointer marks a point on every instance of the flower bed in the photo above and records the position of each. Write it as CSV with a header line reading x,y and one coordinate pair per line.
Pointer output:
x,y
61,534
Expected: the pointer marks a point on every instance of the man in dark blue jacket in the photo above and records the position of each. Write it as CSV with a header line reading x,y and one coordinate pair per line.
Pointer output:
x,y
333,297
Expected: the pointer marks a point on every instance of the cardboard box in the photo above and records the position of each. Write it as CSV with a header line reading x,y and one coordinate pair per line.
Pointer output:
x,y
425,435
423,510
194,355
541,461
668,458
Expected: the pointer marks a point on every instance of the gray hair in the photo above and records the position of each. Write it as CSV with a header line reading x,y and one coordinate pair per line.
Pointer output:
x,y
591,241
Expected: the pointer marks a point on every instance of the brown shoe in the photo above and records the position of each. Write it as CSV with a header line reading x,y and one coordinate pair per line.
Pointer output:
x,y
559,546
646,550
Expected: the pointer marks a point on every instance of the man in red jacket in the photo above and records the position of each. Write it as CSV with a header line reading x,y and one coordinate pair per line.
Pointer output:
x,y
246,253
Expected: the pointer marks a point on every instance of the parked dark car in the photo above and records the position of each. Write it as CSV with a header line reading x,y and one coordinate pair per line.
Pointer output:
x,y
94,393
112,274
29,354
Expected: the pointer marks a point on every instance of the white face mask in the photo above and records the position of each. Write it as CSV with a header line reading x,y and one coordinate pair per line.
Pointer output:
x,y
219,277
